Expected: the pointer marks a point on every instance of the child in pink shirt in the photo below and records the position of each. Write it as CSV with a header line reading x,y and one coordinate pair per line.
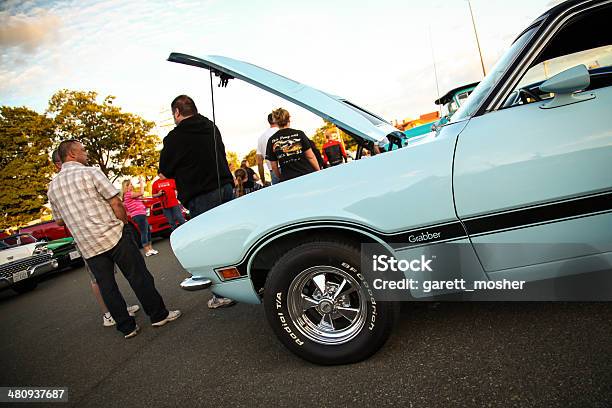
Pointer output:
x,y
132,200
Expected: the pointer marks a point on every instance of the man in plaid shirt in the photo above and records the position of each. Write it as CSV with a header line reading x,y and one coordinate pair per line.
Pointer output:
x,y
83,199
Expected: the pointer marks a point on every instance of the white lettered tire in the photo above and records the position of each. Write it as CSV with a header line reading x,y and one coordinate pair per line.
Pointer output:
x,y
321,307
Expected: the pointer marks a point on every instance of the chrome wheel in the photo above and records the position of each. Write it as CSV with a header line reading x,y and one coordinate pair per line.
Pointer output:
x,y
327,305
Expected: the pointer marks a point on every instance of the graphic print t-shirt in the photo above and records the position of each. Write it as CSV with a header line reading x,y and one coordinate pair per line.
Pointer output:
x,y
287,147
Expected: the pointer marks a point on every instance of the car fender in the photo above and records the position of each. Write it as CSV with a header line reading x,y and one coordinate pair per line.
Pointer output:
x,y
391,192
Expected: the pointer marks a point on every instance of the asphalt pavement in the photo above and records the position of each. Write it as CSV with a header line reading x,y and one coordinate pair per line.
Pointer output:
x,y
441,355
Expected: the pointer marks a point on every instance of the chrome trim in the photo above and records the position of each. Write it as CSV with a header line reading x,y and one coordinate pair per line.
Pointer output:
x,y
536,24
193,284
36,270
501,78
43,268
551,30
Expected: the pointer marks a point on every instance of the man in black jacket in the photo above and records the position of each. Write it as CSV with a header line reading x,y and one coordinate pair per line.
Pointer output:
x,y
194,156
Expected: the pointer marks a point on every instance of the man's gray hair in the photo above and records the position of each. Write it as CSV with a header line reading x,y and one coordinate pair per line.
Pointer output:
x,y
64,148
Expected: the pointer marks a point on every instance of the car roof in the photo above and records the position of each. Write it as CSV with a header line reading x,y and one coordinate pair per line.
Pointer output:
x,y
561,7
556,10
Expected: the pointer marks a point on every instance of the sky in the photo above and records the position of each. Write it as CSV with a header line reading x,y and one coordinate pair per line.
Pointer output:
x,y
379,55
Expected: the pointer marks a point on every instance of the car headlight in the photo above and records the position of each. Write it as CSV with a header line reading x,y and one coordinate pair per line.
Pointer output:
x,y
42,250
148,212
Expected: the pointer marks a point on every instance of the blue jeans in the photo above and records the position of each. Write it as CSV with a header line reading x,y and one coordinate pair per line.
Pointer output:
x,y
145,230
275,179
174,216
206,201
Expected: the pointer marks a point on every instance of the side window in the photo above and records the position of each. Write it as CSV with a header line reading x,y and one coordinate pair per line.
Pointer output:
x,y
12,241
584,40
462,97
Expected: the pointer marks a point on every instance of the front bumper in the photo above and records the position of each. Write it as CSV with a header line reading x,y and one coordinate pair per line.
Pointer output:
x,y
33,271
64,259
193,284
240,290
44,268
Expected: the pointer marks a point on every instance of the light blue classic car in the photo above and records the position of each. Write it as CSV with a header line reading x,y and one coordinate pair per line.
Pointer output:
x,y
519,181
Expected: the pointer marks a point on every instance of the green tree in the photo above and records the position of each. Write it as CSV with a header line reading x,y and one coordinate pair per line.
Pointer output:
x,y
250,158
118,142
232,160
319,137
25,168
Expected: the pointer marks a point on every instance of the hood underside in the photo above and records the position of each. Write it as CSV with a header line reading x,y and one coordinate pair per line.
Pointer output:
x,y
347,116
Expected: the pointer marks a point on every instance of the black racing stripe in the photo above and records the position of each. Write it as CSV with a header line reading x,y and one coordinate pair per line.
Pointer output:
x,y
485,224
540,214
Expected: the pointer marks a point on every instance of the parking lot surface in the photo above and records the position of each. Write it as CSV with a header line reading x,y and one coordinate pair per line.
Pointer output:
x,y
446,354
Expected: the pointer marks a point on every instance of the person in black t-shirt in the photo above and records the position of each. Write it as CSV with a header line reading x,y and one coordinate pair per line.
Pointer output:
x,y
289,150
194,156
252,177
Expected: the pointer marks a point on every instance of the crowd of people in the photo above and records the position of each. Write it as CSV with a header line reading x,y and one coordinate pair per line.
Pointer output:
x,y
288,153
193,171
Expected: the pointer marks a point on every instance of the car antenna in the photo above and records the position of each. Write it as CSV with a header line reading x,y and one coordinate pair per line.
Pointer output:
x,y
433,57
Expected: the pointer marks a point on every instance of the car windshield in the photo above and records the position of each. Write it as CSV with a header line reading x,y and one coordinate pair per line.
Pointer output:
x,y
482,90
16,240
462,97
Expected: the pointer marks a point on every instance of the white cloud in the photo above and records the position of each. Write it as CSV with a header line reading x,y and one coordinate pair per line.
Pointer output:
x,y
25,81
377,55
28,32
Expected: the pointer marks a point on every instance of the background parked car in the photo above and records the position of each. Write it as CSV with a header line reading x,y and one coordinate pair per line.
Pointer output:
x,y
156,218
65,252
452,101
23,260
47,231
50,231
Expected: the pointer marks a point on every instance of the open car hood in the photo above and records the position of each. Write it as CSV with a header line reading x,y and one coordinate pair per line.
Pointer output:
x,y
347,116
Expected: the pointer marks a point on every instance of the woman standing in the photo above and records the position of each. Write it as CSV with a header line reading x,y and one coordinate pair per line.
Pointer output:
x,y
289,150
135,208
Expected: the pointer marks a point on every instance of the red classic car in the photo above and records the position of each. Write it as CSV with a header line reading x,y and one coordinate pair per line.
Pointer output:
x,y
155,216
50,231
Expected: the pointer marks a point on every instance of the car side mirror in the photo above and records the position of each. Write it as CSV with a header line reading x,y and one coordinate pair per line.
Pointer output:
x,y
565,85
